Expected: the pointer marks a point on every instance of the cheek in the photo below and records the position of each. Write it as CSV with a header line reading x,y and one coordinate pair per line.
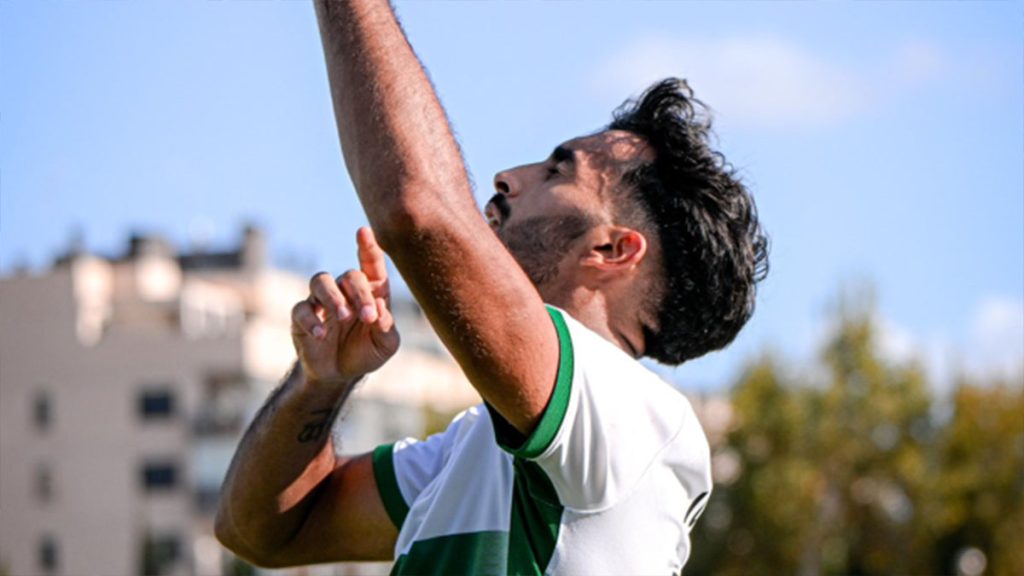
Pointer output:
x,y
566,200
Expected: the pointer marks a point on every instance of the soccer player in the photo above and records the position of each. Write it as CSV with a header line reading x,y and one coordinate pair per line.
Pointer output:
x,y
634,241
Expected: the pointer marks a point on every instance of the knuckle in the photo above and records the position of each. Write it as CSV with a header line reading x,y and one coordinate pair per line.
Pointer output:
x,y
318,277
352,276
326,293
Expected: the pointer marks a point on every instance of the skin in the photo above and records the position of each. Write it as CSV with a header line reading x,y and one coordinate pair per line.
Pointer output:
x,y
287,499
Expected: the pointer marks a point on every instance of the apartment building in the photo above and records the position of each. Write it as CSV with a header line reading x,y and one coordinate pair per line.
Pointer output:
x,y
126,383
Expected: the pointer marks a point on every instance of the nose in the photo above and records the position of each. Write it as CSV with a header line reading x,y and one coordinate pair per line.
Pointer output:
x,y
506,183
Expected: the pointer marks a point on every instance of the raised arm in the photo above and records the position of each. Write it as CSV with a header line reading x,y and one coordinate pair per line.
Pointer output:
x,y
411,180
287,499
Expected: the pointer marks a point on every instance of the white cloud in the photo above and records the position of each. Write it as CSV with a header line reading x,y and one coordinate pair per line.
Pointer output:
x,y
988,350
940,358
996,345
896,343
992,348
766,81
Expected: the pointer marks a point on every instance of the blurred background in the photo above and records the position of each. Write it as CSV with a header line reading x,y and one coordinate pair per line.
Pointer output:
x,y
170,177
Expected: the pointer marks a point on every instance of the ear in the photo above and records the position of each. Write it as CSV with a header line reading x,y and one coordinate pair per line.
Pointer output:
x,y
615,249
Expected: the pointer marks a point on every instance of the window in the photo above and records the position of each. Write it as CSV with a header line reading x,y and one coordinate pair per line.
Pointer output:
x,y
156,404
160,553
44,483
159,476
49,555
41,410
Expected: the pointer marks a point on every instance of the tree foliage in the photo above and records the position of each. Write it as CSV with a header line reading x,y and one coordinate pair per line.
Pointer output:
x,y
859,469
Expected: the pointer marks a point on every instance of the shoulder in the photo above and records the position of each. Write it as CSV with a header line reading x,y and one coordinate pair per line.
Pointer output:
x,y
596,359
627,397
622,395
612,420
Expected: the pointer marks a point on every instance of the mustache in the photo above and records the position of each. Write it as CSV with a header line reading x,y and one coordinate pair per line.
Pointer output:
x,y
501,203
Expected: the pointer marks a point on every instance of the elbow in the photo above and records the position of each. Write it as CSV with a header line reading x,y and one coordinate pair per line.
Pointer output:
x,y
224,531
222,528
405,222
228,536
422,208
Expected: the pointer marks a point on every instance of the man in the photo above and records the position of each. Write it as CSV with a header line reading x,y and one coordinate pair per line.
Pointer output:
x,y
635,241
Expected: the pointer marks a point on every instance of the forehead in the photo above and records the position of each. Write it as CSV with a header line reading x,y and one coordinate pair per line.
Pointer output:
x,y
611,149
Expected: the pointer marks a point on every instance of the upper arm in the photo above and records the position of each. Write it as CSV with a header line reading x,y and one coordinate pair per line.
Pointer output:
x,y
609,422
483,306
347,522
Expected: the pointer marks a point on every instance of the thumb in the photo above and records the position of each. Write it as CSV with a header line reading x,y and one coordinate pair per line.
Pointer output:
x,y
385,321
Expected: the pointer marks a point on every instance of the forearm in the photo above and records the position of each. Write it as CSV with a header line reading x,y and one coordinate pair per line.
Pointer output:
x,y
395,136
410,178
279,468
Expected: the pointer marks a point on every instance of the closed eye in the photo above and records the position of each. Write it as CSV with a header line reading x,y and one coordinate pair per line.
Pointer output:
x,y
561,159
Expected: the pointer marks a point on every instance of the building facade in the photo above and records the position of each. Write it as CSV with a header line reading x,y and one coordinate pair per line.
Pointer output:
x,y
126,383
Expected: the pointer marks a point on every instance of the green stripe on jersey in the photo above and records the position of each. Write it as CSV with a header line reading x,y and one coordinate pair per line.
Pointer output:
x,y
536,513
477,553
387,484
536,517
526,549
544,434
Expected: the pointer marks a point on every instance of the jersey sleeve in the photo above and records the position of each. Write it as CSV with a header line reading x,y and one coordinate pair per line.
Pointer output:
x,y
403,469
609,419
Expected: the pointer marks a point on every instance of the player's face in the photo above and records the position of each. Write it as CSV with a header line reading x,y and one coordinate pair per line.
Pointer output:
x,y
540,209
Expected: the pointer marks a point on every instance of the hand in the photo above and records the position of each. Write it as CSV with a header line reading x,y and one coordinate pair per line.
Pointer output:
x,y
345,330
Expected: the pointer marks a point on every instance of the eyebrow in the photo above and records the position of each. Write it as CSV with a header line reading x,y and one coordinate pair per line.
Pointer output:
x,y
563,154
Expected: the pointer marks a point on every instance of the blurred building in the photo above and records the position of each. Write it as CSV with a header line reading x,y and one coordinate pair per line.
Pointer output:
x,y
126,383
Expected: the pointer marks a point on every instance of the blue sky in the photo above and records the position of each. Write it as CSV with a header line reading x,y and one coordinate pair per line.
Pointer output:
x,y
884,142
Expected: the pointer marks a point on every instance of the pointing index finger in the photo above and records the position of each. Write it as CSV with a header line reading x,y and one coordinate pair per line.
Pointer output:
x,y
371,257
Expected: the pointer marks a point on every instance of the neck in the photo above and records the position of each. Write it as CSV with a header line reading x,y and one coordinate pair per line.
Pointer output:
x,y
612,321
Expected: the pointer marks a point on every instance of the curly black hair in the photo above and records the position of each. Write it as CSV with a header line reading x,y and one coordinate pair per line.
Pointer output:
x,y
713,249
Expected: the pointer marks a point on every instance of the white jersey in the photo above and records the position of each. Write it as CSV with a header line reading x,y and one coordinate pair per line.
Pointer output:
x,y
610,482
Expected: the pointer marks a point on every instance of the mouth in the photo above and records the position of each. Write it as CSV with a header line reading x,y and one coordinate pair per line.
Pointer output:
x,y
496,212
492,217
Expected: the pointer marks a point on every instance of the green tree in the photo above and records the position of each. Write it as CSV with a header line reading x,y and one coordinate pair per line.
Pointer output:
x,y
858,471
832,470
873,449
980,483
760,523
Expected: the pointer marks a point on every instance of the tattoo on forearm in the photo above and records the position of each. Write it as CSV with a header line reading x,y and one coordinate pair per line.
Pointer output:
x,y
314,430
323,421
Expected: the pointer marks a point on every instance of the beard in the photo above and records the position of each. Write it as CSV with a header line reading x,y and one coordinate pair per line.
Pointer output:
x,y
539,244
